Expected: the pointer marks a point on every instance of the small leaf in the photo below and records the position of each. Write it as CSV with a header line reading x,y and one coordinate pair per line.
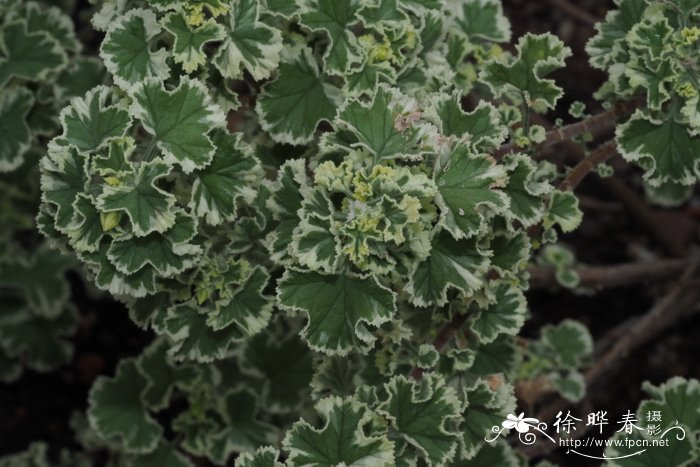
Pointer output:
x,y
249,44
423,414
149,208
164,455
192,338
29,56
468,191
188,48
340,309
563,210
341,440
179,120
291,106
663,147
126,49
89,122
264,457
484,409
451,264
505,316
570,343
117,411
538,55
15,105
335,18
483,20
63,177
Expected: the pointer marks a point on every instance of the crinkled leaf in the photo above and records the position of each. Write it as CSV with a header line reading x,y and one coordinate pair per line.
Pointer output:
x,y
563,210
382,126
49,19
117,411
451,264
82,74
249,44
340,441
422,414
483,20
485,408
179,120
192,338
218,186
149,208
164,455
663,147
263,457
284,203
524,190
295,102
505,316
570,343
571,385
29,56
63,177
340,309
161,374
188,48
604,48
90,121
15,105
538,55
467,188
284,365
335,18
247,311
126,49
39,341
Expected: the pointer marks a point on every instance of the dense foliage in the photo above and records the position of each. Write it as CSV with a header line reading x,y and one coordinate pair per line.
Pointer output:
x,y
293,197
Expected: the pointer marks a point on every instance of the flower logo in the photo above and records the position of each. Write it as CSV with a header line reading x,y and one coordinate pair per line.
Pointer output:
x,y
520,423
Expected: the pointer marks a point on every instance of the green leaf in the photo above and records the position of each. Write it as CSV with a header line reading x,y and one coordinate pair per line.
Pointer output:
x,y
379,12
571,385
149,208
283,365
505,316
284,203
315,246
85,229
291,106
249,44
168,254
480,129
452,264
340,441
498,453
335,18
49,19
663,147
524,190
483,20
188,47
89,122
570,343
15,105
263,457
126,49
28,56
161,374
387,127
243,431
218,187
467,192
39,341
484,409
538,55
563,210
192,338
247,311
179,120
607,45
82,74
339,308
423,415
39,279
36,455
675,399
116,410
63,177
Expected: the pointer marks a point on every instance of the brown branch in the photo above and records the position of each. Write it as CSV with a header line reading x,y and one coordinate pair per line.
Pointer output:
x,y
442,339
604,277
593,124
575,11
604,152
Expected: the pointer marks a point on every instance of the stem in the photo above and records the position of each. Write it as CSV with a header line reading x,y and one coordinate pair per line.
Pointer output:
x,y
618,275
587,165
593,124
444,336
